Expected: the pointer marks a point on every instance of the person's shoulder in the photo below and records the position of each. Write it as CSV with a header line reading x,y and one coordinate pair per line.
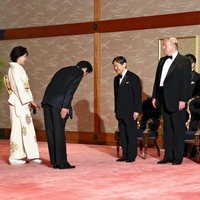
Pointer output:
x,y
183,57
162,58
66,68
197,75
132,74
183,60
15,67
116,78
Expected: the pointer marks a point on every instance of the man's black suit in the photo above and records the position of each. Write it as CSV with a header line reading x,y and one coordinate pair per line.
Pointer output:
x,y
58,95
194,80
127,101
175,89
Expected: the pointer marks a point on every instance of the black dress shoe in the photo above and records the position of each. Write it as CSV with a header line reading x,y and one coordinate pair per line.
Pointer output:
x,y
130,160
66,166
164,161
121,159
55,166
177,163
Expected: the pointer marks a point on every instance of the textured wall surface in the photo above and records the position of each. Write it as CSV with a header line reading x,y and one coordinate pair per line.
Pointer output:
x,y
47,55
117,9
28,13
141,49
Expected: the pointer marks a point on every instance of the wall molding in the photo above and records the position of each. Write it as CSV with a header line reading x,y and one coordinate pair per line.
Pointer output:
x,y
80,137
127,24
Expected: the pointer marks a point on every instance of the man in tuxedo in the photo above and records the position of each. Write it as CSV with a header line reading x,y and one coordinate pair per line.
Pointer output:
x,y
57,108
171,91
195,77
128,101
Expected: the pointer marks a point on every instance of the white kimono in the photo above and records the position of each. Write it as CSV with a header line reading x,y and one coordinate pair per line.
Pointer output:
x,y
23,143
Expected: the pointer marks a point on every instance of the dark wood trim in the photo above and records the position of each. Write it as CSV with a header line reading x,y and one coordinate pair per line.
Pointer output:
x,y
2,34
137,23
150,22
72,137
79,137
97,10
49,31
97,64
97,84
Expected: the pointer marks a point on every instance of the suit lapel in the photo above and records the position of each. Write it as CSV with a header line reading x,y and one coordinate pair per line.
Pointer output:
x,y
125,78
173,65
161,64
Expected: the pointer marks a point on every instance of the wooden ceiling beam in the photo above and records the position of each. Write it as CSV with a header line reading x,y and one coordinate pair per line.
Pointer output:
x,y
127,24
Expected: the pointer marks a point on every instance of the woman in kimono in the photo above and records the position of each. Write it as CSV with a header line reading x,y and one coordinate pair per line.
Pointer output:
x,y
23,143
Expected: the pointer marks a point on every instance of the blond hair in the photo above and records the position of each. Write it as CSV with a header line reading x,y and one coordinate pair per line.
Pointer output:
x,y
172,40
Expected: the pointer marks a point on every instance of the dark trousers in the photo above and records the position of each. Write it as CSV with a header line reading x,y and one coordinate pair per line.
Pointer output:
x,y
174,131
128,137
55,129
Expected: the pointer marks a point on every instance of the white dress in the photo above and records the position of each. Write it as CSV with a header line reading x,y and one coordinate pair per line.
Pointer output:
x,y
23,143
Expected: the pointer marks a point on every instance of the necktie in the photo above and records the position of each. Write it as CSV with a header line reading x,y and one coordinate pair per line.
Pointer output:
x,y
168,57
120,78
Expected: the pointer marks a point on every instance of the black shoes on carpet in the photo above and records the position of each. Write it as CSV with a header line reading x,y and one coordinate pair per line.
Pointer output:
x,y
64,166
121,159
164,161
125,160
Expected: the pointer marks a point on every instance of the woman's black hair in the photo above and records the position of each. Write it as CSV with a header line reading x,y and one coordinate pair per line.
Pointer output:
x,y
18,52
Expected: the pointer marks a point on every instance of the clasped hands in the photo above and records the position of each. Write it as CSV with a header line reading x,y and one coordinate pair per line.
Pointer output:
x,y
33,106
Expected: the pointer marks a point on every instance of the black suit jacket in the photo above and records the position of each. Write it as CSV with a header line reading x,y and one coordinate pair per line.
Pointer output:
x,y
176,84
60,91
194,83
128,95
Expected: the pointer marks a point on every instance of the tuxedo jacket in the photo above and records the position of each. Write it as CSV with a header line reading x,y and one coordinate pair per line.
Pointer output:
x,y
60,91
195,76
176,84
128,95
197,89
194,83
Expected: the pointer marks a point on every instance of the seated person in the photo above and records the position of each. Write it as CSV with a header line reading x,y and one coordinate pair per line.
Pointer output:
x,y
149,112
195,77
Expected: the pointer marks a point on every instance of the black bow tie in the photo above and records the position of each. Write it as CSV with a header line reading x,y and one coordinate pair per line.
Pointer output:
x,y
168,57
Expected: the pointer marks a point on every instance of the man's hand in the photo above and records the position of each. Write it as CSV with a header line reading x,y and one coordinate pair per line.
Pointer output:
x,y
181,105
64,112
135,115
35,105
154,102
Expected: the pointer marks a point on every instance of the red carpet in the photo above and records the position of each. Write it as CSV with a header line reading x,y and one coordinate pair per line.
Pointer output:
x,y
97,176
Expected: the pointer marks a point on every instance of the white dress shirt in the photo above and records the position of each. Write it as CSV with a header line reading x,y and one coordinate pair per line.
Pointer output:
x,y
123,74
166,67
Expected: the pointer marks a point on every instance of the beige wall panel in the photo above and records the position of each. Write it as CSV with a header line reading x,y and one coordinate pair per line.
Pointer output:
x,y
117,9
30,13
141,49
46,56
